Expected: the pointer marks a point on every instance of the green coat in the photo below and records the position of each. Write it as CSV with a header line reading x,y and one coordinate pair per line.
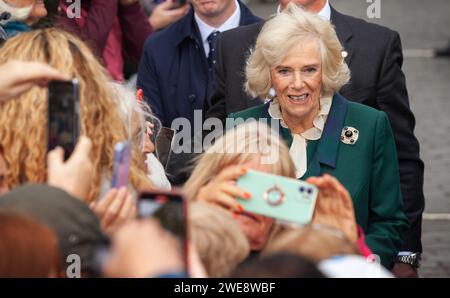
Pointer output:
x,y
368,169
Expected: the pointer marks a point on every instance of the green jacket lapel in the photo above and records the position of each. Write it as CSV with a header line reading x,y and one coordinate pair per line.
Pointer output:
x,y
327,149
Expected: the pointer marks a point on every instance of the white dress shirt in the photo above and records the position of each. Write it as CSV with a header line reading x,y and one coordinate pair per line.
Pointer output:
x,y
206,30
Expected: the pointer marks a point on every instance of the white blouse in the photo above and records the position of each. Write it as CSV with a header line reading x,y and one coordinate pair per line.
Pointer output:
x,y
299,141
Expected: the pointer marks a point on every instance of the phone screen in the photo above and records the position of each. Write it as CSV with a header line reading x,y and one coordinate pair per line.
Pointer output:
x,y
163,144
63,107
121,164
169,209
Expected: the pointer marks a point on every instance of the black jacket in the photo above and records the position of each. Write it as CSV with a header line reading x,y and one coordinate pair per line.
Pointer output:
x,y
377,80
173,71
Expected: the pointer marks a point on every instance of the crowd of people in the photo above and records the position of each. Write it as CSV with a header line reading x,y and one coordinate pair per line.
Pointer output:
x,y
311,94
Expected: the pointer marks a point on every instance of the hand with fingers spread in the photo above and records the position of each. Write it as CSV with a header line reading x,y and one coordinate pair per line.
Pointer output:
x,y
18,77
334,206
75,175
222,189
165,14
115,209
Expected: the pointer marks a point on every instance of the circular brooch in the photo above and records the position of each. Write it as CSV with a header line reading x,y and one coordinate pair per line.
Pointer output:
x,y
349,135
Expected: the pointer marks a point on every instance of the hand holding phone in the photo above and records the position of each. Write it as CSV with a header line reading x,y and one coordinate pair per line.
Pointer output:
x,y
282,198
75,174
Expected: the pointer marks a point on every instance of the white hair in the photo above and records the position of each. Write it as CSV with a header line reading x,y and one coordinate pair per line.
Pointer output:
x,y
130,108
280,34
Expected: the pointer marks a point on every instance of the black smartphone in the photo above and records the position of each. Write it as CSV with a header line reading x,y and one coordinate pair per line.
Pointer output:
x,y
163,144
63,115
169,208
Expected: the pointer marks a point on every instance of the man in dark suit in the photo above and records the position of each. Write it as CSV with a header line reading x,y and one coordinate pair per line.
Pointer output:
x,y
374,56
176,71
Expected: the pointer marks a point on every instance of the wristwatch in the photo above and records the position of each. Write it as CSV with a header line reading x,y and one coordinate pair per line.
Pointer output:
x,y
412,259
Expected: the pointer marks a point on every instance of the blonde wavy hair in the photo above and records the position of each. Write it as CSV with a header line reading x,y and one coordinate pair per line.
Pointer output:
x,y
292,27
23,120
241,144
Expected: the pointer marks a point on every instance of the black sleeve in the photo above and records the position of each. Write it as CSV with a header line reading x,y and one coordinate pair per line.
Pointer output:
x,y
392,98
147,80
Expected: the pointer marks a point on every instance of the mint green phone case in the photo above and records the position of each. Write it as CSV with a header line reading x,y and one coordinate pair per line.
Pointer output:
x,y
278,197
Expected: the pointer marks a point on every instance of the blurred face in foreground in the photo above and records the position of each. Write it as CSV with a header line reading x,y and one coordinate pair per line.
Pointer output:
x,y
255,227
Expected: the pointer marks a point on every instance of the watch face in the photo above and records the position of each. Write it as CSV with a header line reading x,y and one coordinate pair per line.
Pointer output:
x,y
274,196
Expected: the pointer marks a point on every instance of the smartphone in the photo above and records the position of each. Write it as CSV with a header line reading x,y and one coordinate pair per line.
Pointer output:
x,y
63,115
169,208
157,126
285,199
121,164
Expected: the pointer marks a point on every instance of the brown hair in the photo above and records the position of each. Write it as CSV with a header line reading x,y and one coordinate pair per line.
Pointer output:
x,y
28,248
23,121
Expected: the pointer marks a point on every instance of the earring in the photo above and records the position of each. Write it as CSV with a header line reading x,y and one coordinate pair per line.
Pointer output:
x,y
272,93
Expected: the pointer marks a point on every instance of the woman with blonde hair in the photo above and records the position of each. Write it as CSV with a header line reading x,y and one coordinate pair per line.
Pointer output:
x,y
254,145
298,55
23,121
249,146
